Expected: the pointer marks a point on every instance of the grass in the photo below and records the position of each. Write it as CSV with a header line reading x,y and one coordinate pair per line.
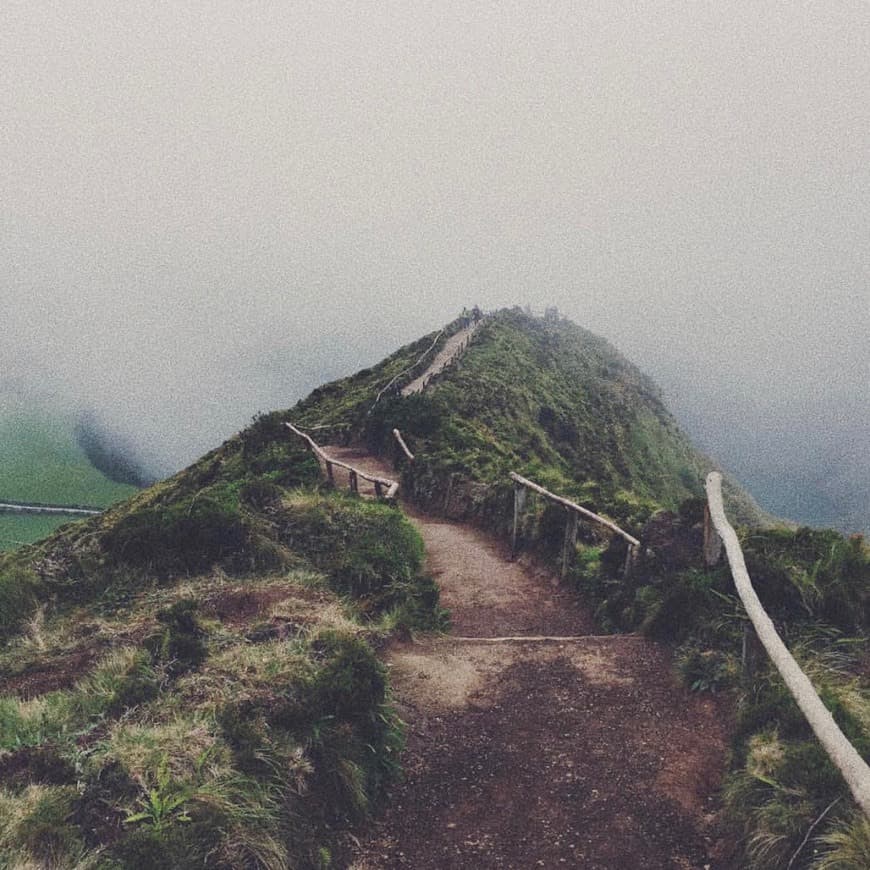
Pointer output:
x,y
783,793
222,702
197,668
41,462
18,529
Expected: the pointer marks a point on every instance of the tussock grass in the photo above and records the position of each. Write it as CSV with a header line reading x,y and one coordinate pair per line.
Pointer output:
x,y
238,715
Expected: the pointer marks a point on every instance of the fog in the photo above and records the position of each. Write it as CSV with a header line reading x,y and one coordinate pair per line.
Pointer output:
x,y
210,208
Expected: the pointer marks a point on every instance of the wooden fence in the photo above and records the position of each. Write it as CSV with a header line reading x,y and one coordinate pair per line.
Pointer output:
x,y
575,511
407,370
841,752
384,488
398,436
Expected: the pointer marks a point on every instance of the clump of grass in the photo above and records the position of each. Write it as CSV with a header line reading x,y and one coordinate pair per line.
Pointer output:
x,y
35,830
19,598
846,846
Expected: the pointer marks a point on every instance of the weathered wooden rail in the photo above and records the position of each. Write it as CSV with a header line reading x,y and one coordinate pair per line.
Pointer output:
x,y
384,487
409,369
398,436
841,752
575,511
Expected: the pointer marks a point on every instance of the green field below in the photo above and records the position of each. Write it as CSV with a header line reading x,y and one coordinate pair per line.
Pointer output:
x,y
41,461
17,529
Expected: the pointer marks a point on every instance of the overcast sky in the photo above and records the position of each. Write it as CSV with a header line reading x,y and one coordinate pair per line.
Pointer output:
x,y
208,208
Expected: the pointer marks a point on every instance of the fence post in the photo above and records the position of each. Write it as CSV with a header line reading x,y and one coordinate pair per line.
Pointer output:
x,y
329,475
354,485
379,492
448,494
569,545
630,560
519,504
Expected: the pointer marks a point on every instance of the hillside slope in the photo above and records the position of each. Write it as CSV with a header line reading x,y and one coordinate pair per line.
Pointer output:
x,y
555,403
191,677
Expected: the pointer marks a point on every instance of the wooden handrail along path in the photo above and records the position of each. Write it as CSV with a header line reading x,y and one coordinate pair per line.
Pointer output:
x,y
409,369
841,752
398,436
384,487
521,484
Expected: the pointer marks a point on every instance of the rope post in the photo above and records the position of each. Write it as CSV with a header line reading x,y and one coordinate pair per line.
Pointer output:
x,y
519,504
569,546
448,494
354,485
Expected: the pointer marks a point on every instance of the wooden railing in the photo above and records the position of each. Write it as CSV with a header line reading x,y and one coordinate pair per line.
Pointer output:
x,y
384,487
398,436
407,370
521,484
841,752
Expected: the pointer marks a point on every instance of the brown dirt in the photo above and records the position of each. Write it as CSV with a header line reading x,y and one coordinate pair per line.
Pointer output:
x,y
452,348
582,752
51,675
238,607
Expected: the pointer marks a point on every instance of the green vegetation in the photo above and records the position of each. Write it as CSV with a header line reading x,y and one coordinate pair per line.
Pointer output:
x,y
191,676
559,405
555,403
18,529
816,586
41,462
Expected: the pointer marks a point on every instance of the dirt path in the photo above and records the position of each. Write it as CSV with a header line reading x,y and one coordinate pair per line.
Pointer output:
x,y
452,348
578,752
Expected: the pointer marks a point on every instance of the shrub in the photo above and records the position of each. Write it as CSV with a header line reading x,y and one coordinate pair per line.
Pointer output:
x,y
188,535
180,644
19,588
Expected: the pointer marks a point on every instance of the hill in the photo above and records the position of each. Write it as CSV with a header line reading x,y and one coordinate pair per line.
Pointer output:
x,y
192,676
544,398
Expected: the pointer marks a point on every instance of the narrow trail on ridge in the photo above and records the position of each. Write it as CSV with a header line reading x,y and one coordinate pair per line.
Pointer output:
x,y
581,751
452,348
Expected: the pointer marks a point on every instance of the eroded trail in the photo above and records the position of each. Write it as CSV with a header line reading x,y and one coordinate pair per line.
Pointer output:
x,y
579,752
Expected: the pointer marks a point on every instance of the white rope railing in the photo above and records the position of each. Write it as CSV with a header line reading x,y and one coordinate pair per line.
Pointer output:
x,y
841,752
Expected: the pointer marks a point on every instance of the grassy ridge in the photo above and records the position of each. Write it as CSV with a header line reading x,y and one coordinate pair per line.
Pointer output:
x,y
190,677
553,402
229,703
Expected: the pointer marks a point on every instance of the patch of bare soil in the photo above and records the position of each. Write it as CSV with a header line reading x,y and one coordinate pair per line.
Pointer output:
x,y
52,674
238,607
551,755
34,764
490,596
